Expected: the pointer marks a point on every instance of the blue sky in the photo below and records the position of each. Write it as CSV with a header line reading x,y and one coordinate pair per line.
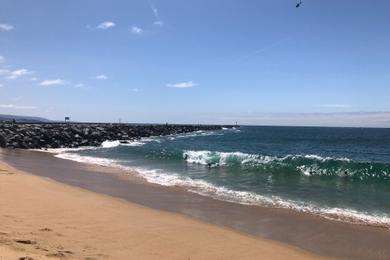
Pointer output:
x,y
195,61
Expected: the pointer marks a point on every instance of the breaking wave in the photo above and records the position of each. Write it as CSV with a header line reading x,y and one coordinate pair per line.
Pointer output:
x,y
309,165
111,144
205,188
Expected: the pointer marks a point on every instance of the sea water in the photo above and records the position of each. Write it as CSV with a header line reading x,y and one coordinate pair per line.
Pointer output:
x,y
337,173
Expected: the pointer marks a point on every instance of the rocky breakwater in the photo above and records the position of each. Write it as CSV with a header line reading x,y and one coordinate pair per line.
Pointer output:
x,y
53,135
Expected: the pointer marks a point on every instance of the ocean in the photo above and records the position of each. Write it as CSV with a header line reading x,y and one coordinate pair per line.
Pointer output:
x,y
341,174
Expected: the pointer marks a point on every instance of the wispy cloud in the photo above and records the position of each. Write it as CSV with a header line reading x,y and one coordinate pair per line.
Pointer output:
x,y
6,27
79,85
53,82
33,79
12,106
4,72
265,48
2,59
106,25
159,23
18,73
1,85
335,105
136,30
135,90
156,14
188,84
343,119
101,77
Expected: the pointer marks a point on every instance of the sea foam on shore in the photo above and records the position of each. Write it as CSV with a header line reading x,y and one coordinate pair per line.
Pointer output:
x,y
245,166
160,177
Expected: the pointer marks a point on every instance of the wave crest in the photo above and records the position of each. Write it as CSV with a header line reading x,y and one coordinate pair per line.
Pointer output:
x,y
205,188
309,165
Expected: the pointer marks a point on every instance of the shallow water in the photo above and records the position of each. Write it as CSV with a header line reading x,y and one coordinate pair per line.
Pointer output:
x,y
338,173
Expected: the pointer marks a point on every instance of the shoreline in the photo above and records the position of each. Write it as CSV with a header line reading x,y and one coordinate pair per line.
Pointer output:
x,y
311,233
347,217
45,219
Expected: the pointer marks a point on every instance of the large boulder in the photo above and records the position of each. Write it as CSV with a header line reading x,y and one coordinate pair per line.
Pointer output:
x,y
3,142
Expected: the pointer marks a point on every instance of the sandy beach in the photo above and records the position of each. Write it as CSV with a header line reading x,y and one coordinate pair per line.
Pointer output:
x,y
44,219
189,130
304,231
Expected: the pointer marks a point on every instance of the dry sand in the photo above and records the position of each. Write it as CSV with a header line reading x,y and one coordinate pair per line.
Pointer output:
x,y
43,219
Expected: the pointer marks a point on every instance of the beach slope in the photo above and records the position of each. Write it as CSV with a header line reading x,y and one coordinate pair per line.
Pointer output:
x,y
44,219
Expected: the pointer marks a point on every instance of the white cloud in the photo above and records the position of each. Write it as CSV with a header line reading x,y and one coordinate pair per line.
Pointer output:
x,y
156,14
155,11
335,105
2,59
105,25
136,30
101,77
18,73
347,119
135,90
53,82
6,27
188,84
159,23
1,85
33,79
79,85
11,106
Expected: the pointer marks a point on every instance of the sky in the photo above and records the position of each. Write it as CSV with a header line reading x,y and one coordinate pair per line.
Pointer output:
x,y
197,61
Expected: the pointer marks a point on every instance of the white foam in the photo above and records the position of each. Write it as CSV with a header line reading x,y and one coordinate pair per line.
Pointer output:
x,y
105,144
204,188
323,159
65,150
111,144
194,134
88,159
243,197
313,157
223,159
305,170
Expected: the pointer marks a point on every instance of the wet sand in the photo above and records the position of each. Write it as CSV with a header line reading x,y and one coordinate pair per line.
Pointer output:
x,y
308,232
43,219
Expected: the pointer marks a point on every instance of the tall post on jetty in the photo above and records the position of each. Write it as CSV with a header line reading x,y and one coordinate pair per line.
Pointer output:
x,y
67,120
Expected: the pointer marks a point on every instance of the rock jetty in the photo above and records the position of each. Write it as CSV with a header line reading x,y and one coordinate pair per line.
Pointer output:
x,y
60,135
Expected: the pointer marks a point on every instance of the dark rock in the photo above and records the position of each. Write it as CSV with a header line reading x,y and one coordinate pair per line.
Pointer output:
x,y
3,142
25,241
36,136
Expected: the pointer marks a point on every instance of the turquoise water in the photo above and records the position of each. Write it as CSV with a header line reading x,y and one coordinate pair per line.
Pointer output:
x,y
338,173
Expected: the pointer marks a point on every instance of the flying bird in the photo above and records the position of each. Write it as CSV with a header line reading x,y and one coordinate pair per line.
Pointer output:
x,y
298,4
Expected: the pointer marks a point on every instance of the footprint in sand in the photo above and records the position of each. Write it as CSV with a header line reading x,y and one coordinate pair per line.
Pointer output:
x,y
40,248
60,254
6,172
45,229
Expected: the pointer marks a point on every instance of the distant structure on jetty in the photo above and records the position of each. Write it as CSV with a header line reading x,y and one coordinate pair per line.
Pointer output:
x,y
72,135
